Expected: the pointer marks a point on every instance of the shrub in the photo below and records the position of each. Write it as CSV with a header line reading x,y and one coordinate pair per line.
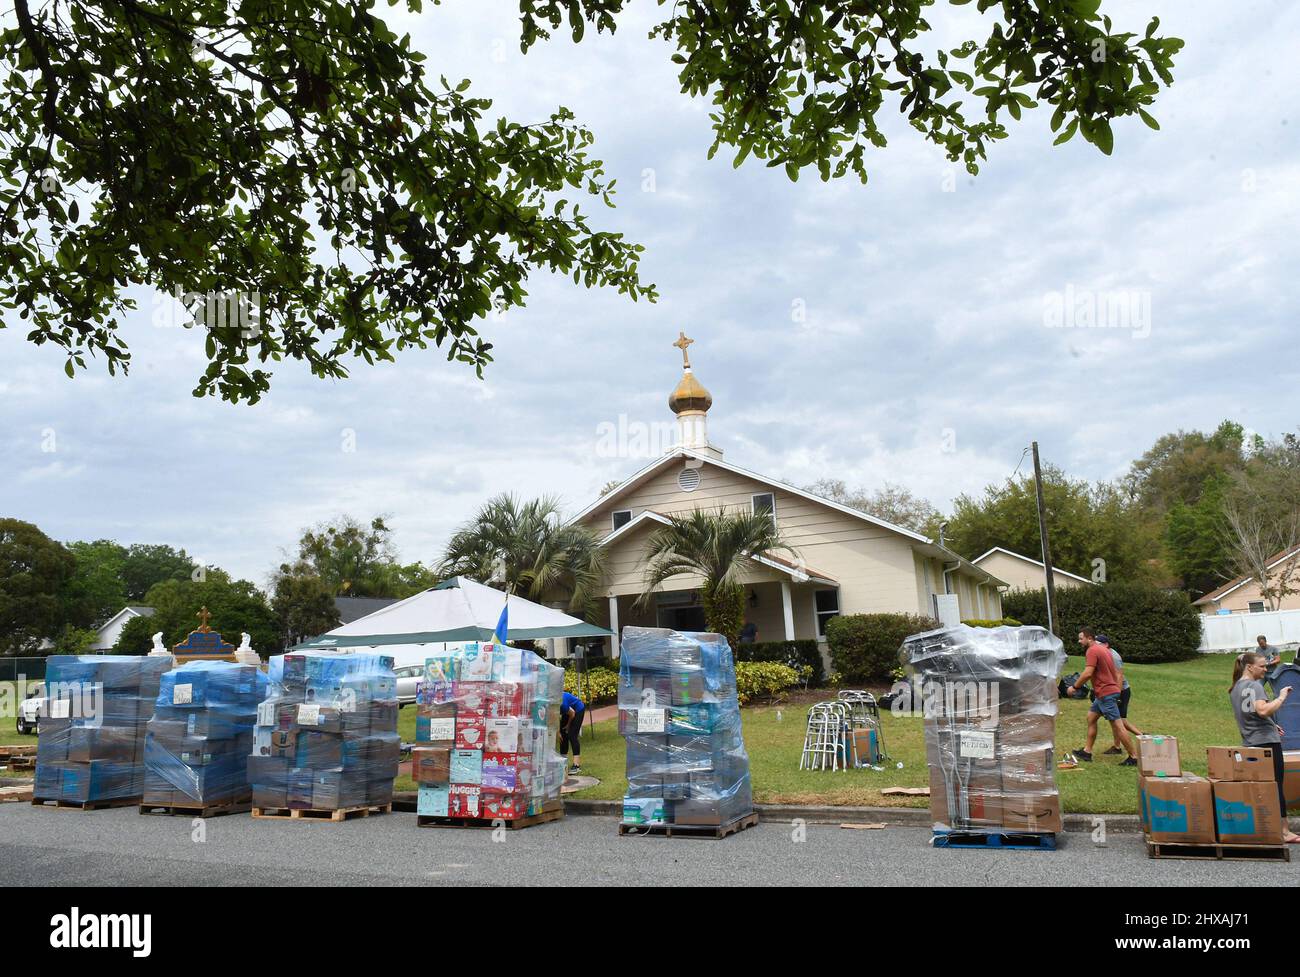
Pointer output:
x,y
1145,623
796,654
596,686
977,622
864,647
763,679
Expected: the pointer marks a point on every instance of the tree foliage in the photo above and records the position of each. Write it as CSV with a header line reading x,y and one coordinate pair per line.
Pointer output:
x,y
1086,522
34,573
297,157
800,83
351,559
236,606
298,165
893,503
718,547
527,547
304,607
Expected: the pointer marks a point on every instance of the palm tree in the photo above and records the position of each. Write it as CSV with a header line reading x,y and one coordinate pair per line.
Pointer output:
x,y
529,544
715,546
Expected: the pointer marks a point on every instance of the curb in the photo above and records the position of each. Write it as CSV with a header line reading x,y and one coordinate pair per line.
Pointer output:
x,y
913,817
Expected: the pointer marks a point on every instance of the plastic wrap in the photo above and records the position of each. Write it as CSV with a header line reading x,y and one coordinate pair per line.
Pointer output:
x,y
990,700
686,760
198,742
486,723
326,734
92,732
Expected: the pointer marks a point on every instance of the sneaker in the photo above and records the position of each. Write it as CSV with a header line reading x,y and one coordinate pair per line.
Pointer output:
x,y
1114,751
575,769
1083,755
1130,762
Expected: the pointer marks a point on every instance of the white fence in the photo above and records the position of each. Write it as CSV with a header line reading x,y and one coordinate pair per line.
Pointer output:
x,y
1233,632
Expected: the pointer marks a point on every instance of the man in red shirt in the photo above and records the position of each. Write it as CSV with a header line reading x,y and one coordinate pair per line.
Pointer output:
x,y
1100,668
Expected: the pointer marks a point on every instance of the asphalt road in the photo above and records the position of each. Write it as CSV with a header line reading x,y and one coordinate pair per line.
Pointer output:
x,y
120,847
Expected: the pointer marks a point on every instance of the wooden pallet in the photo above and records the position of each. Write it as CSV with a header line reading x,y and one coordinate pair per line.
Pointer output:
x,y
1218,852
340,814
9,795
101,805
10,752
691,830
197,810
514,824
1020,840
20,763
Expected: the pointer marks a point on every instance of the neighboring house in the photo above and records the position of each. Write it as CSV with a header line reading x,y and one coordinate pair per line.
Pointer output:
x,y
354,608
1023,572
111,630
1242,596
845,561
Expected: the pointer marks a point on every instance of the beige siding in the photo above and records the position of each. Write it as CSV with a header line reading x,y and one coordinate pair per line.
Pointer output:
x,y
1023,574
1238,602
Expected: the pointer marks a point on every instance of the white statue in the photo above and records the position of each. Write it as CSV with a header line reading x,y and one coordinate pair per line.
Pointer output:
x,y
245,654
159,649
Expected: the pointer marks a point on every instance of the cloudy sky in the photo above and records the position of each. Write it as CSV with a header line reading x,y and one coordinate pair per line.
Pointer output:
x,y
902,331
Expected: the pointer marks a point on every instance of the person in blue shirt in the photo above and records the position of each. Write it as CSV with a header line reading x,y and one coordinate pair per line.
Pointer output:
x,y
572,711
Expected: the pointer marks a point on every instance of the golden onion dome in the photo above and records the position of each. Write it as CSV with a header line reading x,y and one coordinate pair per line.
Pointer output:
x,y
689,395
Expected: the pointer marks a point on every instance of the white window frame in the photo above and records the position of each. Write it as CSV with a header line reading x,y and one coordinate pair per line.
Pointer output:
x,y
1256,607
753,507
615,526
820,615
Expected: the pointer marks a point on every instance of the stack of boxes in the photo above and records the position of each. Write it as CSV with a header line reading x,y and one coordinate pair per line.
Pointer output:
x,y
92,740
326,734
486,724
686,759
989,705
1237,805
198,742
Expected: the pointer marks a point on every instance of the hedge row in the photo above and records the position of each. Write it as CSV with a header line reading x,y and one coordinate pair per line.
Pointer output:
x,y
864,647
796,654
1144,623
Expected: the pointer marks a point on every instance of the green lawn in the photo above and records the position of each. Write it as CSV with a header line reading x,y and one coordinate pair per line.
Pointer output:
x,y
1188,700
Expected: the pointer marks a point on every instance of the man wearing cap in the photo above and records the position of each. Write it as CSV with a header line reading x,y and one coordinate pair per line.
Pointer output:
x,y
1100,668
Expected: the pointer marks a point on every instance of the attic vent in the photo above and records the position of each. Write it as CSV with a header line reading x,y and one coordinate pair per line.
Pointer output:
x,y
688,479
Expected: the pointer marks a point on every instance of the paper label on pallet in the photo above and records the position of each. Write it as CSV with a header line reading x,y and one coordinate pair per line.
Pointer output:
x,y
977,746
650,720
309,714
442,729
182,695
266,713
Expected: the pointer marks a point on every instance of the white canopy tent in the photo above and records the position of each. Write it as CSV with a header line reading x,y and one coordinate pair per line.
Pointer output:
x,y
456,610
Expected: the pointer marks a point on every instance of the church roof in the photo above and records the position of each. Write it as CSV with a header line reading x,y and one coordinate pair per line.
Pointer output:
x,y
929,546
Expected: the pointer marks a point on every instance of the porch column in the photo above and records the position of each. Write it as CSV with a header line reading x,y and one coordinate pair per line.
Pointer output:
x,y
787,610
613,624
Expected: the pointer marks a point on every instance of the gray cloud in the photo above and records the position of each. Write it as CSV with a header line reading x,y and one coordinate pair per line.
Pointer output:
x,y
921,356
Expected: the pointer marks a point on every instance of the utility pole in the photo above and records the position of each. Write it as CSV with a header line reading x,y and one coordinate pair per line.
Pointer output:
x,y
1047,549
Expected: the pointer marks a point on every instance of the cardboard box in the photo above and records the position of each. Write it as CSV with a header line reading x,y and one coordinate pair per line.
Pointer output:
x,y
984,798
471,732
1247,812
464,801
433,801
1249,764
697,812
466,766
1177,809
431,764
1032,811
1291,778
496,804
1158,756
644,810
